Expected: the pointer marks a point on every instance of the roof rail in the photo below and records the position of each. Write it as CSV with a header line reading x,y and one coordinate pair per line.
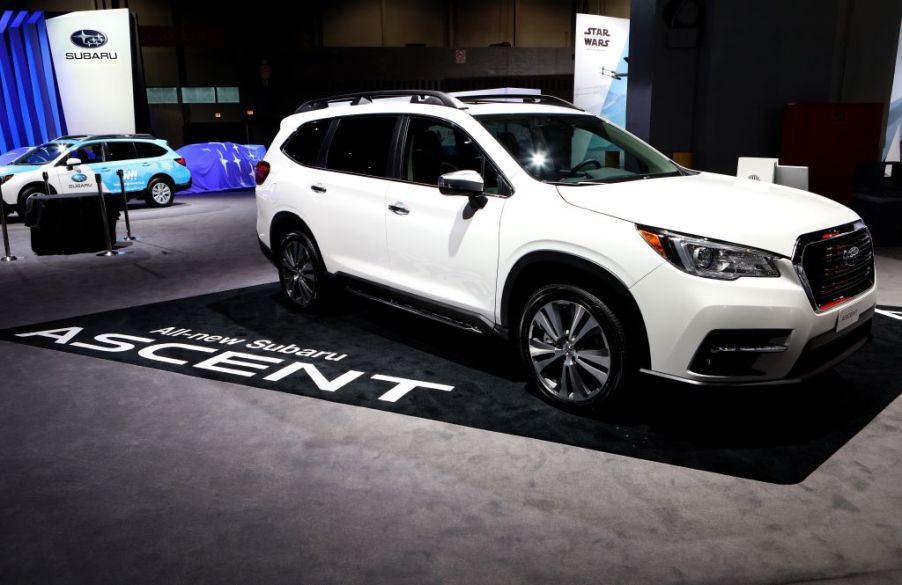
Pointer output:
x,y
70,137
417,96
102,136
526,98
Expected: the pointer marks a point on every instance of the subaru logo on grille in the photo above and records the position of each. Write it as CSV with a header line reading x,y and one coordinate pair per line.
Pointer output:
x,y
852,256
88,39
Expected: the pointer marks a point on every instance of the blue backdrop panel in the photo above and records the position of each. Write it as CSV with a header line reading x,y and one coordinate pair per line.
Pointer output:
x,y
32,109
219,166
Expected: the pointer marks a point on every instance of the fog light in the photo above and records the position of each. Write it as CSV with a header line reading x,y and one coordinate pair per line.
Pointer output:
x,y
734,352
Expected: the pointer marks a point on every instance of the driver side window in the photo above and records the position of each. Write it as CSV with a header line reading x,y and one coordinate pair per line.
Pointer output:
x,y
434,148
87,153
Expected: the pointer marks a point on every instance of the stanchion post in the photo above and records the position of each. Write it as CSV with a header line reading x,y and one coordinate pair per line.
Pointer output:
x,y
8,257
128,224
106,221
46,183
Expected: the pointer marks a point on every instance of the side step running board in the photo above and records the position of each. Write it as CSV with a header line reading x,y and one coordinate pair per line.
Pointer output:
x,y
415,310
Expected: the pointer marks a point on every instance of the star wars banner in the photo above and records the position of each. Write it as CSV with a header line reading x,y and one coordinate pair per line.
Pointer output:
x,y
891,146
599,75
92,57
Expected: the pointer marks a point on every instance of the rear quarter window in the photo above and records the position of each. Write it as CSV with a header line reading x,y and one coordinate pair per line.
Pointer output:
x,y
304,144
148,150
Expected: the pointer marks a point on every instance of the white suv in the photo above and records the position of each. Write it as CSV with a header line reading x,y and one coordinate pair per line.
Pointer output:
x,y
525,217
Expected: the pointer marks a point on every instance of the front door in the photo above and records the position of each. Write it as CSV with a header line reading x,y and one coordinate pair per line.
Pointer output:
x,y
441,247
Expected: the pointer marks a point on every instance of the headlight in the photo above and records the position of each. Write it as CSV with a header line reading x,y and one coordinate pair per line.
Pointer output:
x,y
708,258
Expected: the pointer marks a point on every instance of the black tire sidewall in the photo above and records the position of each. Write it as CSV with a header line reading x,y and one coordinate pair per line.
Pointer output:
x,y
23,199
611,325
318,266
151,202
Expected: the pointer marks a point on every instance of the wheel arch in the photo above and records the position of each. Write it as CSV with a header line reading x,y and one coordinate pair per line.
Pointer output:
x,y
35,184
282,223
163,176
545,267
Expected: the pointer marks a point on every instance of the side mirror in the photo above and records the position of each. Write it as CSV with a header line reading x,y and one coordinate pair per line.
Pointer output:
x,y
71,162
467,183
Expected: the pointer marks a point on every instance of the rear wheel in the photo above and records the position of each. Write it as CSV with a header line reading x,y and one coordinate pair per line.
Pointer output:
x,y
159,193
301,271
574,346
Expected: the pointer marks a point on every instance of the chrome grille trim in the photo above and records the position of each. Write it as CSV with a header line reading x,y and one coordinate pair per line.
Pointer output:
x,y
837,282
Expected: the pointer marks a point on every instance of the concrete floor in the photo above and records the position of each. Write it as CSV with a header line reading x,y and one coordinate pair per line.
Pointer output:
x,y
112,473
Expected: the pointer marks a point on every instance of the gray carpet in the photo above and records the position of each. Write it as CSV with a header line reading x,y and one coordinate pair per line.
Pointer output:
x,y
114,473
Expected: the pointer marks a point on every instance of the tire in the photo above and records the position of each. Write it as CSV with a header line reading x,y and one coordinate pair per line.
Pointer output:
x,y
23,198
574,347
301,271
159,192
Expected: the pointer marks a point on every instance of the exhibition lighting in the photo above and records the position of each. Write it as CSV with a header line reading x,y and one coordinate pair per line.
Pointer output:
x,y
539,159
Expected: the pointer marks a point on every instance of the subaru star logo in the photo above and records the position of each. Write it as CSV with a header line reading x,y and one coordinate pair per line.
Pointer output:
x,y
88,39
851,256
79,177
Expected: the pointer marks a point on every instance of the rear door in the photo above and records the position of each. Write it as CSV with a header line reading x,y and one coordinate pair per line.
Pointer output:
x,y
121,155
347,195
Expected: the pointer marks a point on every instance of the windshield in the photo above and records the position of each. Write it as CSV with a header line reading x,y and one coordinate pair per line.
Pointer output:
x,y
42,154
576,149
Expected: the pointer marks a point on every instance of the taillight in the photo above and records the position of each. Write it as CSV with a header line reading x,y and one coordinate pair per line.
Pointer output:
x,y
261,171
181,161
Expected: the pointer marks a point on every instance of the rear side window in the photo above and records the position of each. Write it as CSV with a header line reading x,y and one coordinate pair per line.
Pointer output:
x,y
119,151
362,145
149,150
303,146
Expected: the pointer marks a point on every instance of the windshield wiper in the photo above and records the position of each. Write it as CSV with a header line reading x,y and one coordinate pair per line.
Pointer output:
x,y
641,176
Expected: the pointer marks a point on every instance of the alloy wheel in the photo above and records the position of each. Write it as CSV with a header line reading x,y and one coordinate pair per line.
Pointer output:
x,y
161,193
298,273
569,351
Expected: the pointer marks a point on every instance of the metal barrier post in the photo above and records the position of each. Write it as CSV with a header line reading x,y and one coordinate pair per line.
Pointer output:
x,y
7,257
46,183
128,224
106,221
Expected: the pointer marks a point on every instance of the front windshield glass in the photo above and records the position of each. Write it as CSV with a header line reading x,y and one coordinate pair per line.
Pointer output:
x,y
576,149
42,154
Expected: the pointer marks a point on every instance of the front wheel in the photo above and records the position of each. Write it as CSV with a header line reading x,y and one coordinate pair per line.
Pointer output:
x,y
159,193
301,271
573,345
22,204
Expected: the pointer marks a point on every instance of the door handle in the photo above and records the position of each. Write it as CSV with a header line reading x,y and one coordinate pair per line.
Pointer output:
x,y
317,188
398,208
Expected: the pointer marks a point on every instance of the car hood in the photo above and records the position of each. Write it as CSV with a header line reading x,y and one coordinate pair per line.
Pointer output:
x,y
762,215
16,169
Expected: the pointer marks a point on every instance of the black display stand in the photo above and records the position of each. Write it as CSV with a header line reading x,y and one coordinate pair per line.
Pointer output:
x,y
69,224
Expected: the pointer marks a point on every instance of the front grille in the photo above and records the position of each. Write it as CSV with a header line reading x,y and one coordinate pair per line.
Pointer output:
x,y
835,265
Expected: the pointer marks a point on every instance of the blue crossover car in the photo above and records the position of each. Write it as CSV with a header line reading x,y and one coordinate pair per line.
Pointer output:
x,y
151,169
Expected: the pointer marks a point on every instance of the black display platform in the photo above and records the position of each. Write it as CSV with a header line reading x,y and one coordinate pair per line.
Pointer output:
x,y
365,355
70,223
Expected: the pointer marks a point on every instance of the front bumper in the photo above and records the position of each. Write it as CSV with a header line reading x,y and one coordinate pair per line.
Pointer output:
x,y
681,311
